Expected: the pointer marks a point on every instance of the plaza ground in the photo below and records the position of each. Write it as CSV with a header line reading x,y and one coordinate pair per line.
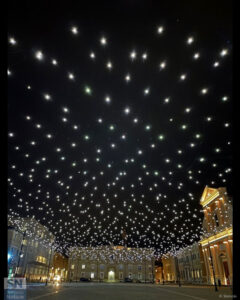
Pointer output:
x,y
125,291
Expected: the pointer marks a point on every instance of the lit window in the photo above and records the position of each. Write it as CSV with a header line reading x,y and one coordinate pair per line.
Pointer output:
x,y
83,266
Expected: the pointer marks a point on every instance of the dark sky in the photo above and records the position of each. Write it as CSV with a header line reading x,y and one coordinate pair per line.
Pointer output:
x,y
149,205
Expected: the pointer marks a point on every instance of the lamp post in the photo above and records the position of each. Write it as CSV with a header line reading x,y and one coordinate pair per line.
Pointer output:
x,y
192,266
20,253
49,264
26,265
162,275
215,284
145,269
77,263
179,283
153,269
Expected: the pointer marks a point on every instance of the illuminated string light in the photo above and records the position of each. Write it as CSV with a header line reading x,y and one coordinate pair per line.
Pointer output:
x,y
39,55
190,40
160,29
74,30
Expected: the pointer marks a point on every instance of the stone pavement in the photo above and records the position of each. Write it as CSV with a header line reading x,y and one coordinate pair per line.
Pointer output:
x,y
125,291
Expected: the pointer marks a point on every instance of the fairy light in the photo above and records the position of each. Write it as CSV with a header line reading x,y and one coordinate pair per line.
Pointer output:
x,y
107,161
74,30
39,55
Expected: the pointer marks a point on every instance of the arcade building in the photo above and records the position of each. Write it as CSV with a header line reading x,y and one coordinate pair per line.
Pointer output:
x,y
111,264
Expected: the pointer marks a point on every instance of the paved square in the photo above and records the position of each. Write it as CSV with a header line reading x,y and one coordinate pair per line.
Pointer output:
x,y
125,291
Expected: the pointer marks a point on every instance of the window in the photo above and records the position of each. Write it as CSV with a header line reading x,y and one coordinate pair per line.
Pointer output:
x,y
41,259
83,274
83,256
101,267
72,267
139,268
139,275
130,267
92,275
120,267
150,275
101,275
130,275
92,267
83,267
120,275
149,267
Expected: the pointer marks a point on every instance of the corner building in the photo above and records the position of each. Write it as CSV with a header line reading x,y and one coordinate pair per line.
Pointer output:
x,y
111,264
217,241
169,268
30,249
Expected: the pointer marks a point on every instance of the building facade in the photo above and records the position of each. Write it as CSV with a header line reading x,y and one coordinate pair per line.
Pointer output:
x,y
169,268
30,249
59,267
217,240
111,264
159,271
191,265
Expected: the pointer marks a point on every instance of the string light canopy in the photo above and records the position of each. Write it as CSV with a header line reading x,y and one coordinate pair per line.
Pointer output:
x,y
118,132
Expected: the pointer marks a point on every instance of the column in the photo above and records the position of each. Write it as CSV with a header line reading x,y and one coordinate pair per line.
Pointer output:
x,y
219,263
209,264
229,260
215,264
206,261
221,212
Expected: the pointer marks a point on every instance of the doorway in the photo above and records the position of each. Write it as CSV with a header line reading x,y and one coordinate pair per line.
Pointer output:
x,y
111,275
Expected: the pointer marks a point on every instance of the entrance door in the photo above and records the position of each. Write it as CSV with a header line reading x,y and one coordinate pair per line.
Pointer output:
x,y
111,275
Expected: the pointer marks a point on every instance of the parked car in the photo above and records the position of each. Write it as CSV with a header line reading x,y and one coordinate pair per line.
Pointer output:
x,y
84,279
128,279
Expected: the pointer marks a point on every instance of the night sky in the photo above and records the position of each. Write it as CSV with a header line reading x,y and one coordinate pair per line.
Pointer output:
x,y
118,117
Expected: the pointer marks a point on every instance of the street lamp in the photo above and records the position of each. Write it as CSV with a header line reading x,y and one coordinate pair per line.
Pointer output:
x,y
49,264
192,266
162,275
145,268
179,283
20,254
